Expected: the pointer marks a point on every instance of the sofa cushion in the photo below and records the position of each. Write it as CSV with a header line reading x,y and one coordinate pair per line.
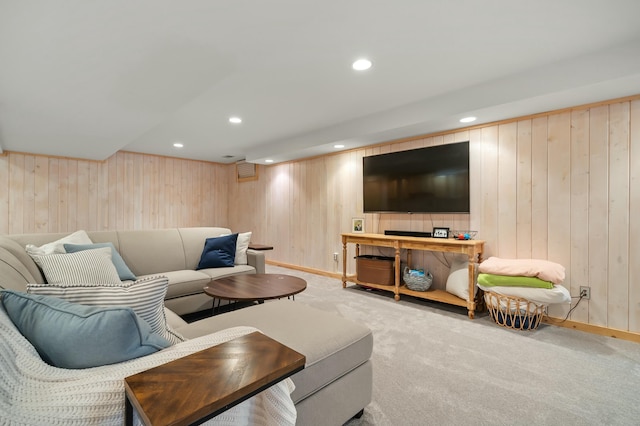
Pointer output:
x,y
165,244
174,320
123,270
218,252
215,273
144,296
242,245
70,335
78,237
105,237
185,282
88,266
333,345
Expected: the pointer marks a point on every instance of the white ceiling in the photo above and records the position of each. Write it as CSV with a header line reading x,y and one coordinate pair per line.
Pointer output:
x,y
88,78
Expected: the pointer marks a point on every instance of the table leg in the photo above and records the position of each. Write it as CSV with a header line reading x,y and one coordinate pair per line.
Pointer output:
x,y
396,289
471,301
128,412
344,263
216,308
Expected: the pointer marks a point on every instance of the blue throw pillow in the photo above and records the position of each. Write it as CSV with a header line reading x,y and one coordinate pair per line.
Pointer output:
x,y
218,252
123,270
70,335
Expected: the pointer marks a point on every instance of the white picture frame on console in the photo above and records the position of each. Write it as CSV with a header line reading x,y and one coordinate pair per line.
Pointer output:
x,y
357,225
439,232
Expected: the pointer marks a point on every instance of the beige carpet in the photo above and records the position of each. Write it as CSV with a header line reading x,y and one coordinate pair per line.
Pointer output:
x,y
434,366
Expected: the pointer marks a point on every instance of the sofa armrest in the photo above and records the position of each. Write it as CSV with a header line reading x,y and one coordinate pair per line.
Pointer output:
x,y
255,258
13,274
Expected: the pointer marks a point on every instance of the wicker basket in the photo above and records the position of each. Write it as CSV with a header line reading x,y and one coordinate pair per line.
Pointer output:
x,y
417,282
514,312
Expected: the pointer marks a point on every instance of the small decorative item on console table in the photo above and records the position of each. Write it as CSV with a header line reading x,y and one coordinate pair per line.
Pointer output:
x,y
440,232
472,248
357,225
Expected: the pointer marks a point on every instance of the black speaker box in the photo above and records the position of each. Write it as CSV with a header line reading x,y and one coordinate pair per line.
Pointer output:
x,y
407,233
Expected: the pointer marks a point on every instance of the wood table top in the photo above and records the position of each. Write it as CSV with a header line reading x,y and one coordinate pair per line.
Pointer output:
x,y
247,287
256,246
200,386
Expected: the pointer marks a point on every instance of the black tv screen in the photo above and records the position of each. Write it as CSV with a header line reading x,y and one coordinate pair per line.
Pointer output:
x,y
434,179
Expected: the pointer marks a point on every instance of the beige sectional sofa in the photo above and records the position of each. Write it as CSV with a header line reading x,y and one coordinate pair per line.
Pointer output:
x,y
173,253
336,383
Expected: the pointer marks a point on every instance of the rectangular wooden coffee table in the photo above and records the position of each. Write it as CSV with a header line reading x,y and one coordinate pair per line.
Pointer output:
x,y
195,388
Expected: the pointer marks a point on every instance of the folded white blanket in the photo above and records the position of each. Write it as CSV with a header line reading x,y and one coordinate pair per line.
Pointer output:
x,y
35,393
539,268
541,296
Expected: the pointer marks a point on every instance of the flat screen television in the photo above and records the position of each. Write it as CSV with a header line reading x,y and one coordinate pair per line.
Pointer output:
x,y
434,179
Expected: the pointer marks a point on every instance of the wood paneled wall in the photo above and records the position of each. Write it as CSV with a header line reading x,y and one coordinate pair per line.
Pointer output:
x,y
127,191
563,186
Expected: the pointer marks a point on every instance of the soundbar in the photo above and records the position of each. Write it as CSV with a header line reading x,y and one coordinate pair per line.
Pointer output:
x,y
407,233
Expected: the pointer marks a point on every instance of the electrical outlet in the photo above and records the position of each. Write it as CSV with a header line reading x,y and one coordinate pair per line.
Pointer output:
x,y
585,292
335,257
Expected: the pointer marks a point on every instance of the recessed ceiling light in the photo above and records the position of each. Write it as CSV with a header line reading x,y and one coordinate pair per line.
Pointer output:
x,y
235,120
361,64
468,119
337,146
268,161
178,145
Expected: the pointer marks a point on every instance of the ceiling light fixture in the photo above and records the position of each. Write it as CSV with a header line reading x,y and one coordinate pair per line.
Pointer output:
x,y
268,161
178,145
361,65
468,119
235,120
338,146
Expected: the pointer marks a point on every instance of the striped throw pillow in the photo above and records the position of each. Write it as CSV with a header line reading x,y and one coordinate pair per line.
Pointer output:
x,y
145,296
88,266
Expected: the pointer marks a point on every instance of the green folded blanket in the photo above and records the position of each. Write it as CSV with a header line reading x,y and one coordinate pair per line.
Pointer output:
x,y
490,280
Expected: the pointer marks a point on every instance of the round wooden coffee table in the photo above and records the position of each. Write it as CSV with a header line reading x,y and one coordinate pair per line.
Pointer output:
x,y
254,287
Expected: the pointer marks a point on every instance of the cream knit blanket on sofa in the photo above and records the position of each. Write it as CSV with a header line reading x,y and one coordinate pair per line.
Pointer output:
x,y
35,393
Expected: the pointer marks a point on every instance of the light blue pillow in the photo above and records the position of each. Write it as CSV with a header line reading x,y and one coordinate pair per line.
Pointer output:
x,y
123,270
218,252
70,335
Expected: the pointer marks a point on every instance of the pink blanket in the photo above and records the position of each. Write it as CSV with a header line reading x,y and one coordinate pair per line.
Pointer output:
x,y
539,268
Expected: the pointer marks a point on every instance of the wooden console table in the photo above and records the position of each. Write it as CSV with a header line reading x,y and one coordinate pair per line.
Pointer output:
x,y
472,248
197,387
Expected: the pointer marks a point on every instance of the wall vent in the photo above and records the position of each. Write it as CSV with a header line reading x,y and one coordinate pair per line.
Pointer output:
x,y
246,171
